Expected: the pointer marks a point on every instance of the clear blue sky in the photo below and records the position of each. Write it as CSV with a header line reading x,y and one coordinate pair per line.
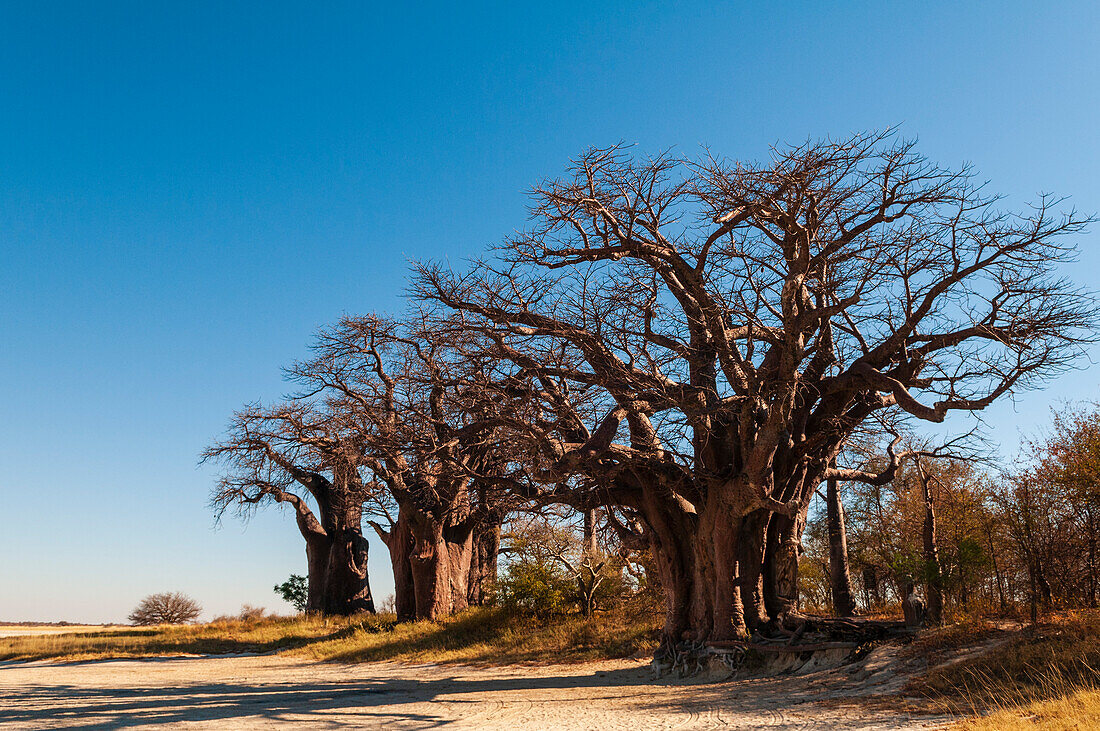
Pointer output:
x,y
188,191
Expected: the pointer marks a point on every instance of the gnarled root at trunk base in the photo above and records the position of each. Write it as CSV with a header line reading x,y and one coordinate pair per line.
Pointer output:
x,y
801,644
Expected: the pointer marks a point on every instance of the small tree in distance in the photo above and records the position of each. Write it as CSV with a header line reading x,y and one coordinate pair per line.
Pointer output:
x,y
294,591
166,608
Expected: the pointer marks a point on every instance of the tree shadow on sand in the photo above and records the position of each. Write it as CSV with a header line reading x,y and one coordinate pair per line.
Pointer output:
x,y
112,707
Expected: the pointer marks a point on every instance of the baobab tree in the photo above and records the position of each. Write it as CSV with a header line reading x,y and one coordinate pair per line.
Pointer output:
x,y
429,441
281,454
739,322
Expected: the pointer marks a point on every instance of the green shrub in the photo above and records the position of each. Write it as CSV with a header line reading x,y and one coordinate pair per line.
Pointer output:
x,y
535,587
294,591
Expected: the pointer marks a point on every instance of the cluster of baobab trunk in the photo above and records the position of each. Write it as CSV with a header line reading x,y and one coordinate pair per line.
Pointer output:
x,y
690,345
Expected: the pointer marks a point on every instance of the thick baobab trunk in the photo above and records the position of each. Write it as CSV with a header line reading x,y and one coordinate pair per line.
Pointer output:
x,y
399,542
317,557
433,564
726,572
840,579
781,556
720,531
671,534
318,548
751,567
440,563
347,587
483,562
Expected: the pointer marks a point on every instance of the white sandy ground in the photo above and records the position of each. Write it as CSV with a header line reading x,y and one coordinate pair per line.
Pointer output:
x,y
22,630
269,691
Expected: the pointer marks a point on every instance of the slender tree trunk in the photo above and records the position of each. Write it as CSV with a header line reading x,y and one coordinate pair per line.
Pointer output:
x,y
871,584
590,548
1044,585
587,576
996,571
1033,594
933,584
840,578
1092,558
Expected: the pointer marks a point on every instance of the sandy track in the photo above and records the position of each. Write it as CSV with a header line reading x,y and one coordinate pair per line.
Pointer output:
x,y
244,692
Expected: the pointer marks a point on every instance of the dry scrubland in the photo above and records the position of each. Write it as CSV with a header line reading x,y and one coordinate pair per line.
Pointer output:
x,y
475,636
1046,676
1021,677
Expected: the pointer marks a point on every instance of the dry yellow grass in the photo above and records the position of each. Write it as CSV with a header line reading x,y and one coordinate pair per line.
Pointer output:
x,y
477,635
1041,677
494,636
1077,711
1058,656
263,635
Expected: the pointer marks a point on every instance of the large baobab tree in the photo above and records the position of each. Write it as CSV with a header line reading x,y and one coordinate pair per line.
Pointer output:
x,y
739,322
281,455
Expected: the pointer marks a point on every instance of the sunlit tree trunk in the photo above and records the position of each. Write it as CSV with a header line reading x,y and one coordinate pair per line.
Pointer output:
x,y
933,580
840,579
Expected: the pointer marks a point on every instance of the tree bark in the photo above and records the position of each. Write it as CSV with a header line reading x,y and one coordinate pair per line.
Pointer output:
x,y
720,526
399,542
840,578
317,557
318,548
1092,557
751,567
347,586
781,567
440,563
933,580
671,533
483,562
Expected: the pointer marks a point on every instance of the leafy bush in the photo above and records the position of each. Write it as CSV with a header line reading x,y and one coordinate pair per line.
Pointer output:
x,y
536,587
294,591
166,608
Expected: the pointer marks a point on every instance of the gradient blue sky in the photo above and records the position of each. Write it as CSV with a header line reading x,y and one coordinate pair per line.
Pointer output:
x,y
187,191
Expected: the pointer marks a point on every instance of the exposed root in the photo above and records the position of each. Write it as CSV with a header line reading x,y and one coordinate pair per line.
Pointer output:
x,y
801,644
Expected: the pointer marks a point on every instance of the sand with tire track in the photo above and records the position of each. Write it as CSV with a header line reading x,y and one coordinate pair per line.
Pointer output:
x,y
244,692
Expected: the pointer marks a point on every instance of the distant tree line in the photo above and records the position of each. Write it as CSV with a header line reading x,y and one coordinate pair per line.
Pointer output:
x,y
1022,535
